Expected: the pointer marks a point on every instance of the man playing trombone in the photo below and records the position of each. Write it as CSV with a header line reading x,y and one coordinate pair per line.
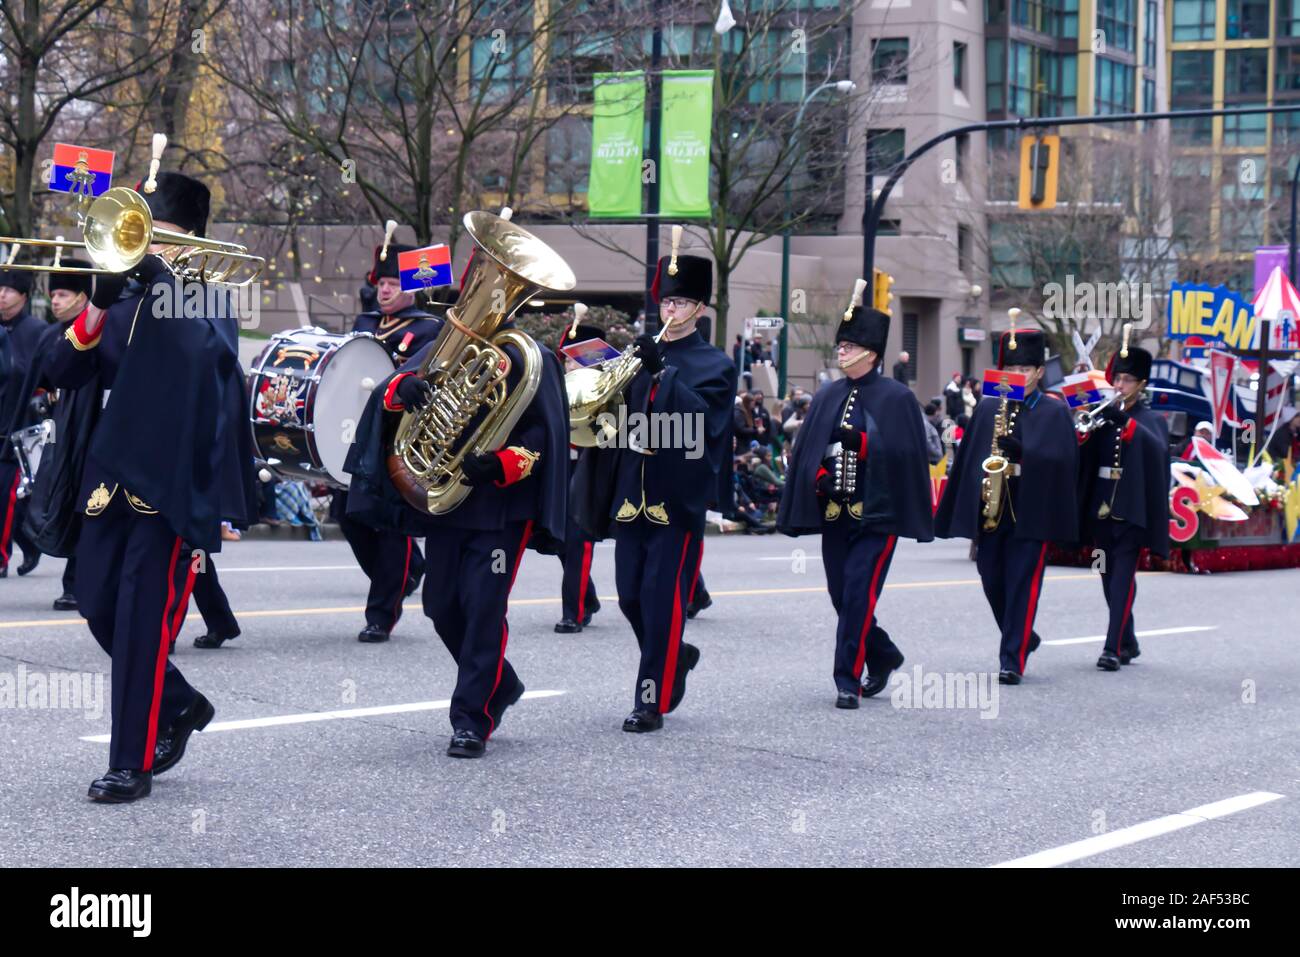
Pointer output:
x,y
170,458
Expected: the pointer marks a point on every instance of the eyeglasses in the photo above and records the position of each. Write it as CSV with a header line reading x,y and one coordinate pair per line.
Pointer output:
x,y
676,303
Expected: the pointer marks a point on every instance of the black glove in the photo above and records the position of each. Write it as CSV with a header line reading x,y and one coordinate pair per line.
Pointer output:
x,y
414,392
108,289
1011,448
647,350
149,269
826,484
482,468
851,439
1114,415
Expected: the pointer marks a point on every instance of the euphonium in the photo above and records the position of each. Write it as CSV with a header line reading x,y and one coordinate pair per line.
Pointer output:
x,y
993,488
473,410
595,392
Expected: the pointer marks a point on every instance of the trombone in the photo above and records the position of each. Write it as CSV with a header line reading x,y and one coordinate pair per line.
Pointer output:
x,y
117,231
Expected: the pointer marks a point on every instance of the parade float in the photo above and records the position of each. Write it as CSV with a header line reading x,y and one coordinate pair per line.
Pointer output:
x,y
1227,511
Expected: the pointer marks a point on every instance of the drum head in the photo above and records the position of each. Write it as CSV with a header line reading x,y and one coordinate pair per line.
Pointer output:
x,y
341,397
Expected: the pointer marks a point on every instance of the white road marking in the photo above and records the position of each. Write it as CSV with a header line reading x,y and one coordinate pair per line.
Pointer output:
x,y
223,570
310,716
1141,634
1068,853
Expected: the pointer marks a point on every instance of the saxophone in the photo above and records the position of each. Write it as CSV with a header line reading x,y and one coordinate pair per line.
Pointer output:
x,y
468,366
993,488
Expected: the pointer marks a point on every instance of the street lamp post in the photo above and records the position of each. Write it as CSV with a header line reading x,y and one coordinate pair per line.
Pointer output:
x,y
1290,250
844,86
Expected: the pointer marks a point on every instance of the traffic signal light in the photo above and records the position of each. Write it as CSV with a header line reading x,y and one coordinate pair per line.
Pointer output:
x,y
1040,162
881,297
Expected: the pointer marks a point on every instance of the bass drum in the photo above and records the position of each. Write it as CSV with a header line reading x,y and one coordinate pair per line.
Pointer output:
x,y
307,390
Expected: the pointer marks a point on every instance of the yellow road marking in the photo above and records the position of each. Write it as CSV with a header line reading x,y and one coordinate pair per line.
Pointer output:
x,y
515,602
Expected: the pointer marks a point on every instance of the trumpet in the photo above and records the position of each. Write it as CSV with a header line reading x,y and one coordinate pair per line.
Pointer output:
x,y
1089,420
117,231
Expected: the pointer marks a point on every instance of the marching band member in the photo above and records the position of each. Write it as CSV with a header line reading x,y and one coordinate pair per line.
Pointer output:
x,y
860,478
69,300
160,478
577,591
24,332
1038,500
660,495
1124,488
393,562
518,500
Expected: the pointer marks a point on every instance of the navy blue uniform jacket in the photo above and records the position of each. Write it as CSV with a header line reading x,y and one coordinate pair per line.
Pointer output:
x,y
1142,496
541,497
1044,498
895,478
175,430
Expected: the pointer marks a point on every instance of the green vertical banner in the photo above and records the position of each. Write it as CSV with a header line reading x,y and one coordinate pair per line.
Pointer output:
x,y
617,127
684,160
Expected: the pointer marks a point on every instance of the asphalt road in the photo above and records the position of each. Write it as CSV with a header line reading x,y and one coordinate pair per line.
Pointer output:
x,y
756,767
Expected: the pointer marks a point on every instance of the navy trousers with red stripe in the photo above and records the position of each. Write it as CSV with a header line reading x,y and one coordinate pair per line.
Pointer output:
x,y
1121,544
11,515
1011,570
577,590
467,601
655,568
388,559
129,587
857,564
200,581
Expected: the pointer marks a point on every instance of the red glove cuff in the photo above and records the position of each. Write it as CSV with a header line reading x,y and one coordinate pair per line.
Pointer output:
x,y
818,477
1129,429
391,402
862,452
78,336
517,464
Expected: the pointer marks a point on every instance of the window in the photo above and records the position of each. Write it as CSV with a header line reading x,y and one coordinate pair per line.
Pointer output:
x,y
885,150
1286,129
1148,96
1241,212
1247,20
1245,72
1288,18
890,227
995,74
1007,267
958,65
1192,76
1115,18
506,73
1058,18
963,249
1246,129
1114,87
962,152
1042,83
1193,20
1149,41
889,61
568,155
1288,70
574,57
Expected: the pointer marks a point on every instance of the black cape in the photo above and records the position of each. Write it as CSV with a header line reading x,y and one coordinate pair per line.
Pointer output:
x,y
542,497
175,430
52,520
897,489
1044,497
1142,497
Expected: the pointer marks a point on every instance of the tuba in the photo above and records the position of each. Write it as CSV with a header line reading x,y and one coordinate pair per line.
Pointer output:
x,y
472,409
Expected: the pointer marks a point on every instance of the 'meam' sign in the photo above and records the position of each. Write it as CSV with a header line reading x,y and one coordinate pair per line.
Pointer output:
x,y
1212,313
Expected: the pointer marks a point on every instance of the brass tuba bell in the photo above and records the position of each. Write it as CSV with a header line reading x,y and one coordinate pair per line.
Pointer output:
x,y
472,409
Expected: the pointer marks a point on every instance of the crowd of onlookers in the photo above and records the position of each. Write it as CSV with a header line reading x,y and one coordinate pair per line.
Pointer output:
x,y
763,441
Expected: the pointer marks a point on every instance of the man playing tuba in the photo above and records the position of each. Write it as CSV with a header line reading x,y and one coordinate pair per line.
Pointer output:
x,y
517,500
